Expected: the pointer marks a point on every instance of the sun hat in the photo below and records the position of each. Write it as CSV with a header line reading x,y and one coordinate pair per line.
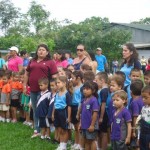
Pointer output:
x,y
14,48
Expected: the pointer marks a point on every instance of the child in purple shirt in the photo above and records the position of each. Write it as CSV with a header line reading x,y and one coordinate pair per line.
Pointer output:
x,y
136,103
89,115
121,122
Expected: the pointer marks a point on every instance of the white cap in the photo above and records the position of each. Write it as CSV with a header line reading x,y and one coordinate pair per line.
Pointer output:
x,y
99,49
14,48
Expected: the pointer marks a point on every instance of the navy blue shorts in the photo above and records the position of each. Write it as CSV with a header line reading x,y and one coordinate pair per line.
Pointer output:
x,y
15,103
43,122
74,110
60,120
105,124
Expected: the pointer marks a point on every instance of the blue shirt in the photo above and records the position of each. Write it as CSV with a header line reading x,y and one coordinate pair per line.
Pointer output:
x,y
62,101
70,61
76,96
25,62
2,62
101,60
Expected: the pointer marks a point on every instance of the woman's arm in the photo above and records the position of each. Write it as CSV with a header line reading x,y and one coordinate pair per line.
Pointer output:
x,y
26,78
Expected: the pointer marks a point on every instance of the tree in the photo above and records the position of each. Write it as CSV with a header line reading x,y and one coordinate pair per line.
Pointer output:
x,y
8,15
142,21
38,16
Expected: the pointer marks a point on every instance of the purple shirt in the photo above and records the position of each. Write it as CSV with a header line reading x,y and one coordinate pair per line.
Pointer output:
x,y
88,107
136,106
119,127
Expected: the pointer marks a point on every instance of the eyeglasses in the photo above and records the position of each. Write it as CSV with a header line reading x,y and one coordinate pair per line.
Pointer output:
x,y
81,50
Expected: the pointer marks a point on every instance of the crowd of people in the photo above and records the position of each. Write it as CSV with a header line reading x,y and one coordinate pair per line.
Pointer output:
x,y
78,95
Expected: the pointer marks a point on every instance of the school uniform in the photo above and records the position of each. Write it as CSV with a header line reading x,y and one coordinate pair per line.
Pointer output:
x,y
61,112
50,108
136,106
145,128
87,109
105,98
76,100
42,109
119,129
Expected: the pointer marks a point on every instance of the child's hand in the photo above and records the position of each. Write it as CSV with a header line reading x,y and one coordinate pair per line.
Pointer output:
x,y
79,127
91,129
7,103
133,135
78,117
127,141
100,120
68,120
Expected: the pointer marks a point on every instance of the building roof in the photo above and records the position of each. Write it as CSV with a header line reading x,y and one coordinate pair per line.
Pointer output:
x,y
137,26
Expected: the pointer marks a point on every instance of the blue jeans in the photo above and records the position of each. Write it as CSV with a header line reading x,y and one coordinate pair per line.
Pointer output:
x,y
145,135
34,101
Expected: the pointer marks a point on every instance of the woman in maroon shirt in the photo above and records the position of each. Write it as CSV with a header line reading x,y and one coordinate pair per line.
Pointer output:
x,y
40,66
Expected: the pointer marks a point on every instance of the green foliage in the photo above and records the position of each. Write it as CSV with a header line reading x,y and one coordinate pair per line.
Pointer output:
x,y
143,21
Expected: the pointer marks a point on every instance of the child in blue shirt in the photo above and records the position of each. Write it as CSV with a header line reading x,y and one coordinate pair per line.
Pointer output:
x,y
61,114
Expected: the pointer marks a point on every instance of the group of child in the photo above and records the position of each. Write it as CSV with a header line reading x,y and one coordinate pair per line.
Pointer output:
x,y
99,108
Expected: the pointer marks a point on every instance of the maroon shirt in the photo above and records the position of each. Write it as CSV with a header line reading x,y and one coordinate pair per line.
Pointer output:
x,y
38,70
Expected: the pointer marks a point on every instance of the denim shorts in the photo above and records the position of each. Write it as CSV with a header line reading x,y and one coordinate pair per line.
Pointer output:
x,y
89,135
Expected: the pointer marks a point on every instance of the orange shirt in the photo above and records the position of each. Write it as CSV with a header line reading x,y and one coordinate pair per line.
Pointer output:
x,y
6,88
1,84
16,85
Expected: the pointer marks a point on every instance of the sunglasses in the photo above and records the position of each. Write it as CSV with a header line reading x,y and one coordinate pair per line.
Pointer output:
x,y
81,50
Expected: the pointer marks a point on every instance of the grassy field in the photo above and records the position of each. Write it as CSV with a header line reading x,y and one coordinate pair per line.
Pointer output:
x,y
18,137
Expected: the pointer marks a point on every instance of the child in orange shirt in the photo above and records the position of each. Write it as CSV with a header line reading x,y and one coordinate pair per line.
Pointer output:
x,y
5,98
16,87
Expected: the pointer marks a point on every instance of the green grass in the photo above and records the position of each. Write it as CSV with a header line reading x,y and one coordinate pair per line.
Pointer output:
x,y
18,137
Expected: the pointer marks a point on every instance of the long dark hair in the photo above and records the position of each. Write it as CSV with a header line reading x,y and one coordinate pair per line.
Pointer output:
x,y
62,53
48,57
133,57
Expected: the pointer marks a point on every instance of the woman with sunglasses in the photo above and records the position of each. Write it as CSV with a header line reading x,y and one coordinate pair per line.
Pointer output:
x,y
81,57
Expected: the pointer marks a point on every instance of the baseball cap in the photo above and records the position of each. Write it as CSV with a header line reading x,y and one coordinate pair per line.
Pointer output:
x,y
99,49
14,48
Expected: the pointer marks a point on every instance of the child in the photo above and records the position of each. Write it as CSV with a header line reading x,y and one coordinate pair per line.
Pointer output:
x,y
77,77
136,104
42,108
147,77
53,88
104,102
121,122
62,111
148,65
89,116
85,67
16,87
145,120
5,98
71,68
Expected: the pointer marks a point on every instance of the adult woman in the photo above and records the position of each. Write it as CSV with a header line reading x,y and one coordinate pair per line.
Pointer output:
x,y
2,63
93,62
130,57
15,63
40,66
82,58
61,60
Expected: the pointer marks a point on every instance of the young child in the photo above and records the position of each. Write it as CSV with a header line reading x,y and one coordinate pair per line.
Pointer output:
x,y
89,116
5,98
71,68
85,67
102,77
62,111
136,104
53,88
77,77
42,108
121,122
134,74
16,87
147,77
145,120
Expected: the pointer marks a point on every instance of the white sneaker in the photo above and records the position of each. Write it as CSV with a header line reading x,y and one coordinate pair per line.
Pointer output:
x,y
35,134
29,123
60,148
7,120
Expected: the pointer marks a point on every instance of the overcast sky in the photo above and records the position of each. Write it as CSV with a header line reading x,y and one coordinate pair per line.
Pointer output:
x,y
121,11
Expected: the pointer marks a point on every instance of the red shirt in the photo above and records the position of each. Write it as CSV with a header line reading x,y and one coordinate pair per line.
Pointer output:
x,y
37,70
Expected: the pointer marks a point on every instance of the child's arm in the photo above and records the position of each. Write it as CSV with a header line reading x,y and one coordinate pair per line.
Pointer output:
x,y
53,114
133,126
78,113
103,105
8,99
127,141
94,118
69,114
